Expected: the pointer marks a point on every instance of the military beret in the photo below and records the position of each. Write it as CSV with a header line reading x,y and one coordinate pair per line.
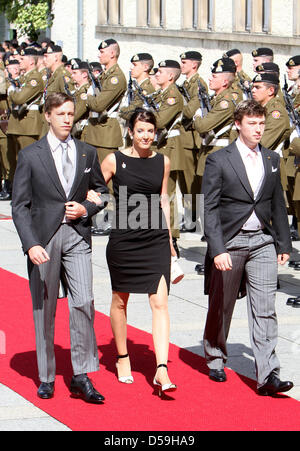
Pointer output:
x,y
268,67
106,43
74,62
191,55
266,78
81,65
28,51
294,61
262,51
141,57
224,65
231,52
95,65
52,48
153,71
169,64
9,62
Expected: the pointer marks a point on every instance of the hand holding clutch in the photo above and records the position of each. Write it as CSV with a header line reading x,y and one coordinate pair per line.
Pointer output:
x,y
176,272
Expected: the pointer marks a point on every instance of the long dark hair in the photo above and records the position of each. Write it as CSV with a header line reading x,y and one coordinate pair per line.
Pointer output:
x,y
140,114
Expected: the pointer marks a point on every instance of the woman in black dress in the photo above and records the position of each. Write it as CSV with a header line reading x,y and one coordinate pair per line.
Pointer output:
x,y
140,245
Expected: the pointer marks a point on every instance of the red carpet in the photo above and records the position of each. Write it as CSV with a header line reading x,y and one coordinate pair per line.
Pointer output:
x,y
198,405
5,218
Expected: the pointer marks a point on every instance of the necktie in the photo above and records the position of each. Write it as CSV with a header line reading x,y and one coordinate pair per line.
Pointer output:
x,y
67,166
253,157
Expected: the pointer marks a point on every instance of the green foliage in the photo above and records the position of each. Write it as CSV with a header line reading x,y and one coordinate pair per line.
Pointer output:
x,y
29,16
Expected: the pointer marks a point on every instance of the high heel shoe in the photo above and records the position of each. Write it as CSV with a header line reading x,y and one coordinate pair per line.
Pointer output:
x,y
165,388
124,379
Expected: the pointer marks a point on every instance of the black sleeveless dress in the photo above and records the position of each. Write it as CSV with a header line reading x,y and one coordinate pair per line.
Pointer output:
x,y
138,252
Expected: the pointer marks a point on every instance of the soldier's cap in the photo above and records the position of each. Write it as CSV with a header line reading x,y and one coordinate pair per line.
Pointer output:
x,y
74,62
169,64
268,67
191,55
29,51
153,71
82,65
141,57
95,65
52,48
106,43
224,65
10,62
262,51
294,61
231,52
266,78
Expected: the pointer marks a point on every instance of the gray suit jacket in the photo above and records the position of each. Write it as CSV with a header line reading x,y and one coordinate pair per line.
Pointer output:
x,y
229,201
38,204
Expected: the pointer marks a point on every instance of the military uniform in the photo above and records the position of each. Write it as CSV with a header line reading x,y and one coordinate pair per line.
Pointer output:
x,y
25,122
59,81
189,181
4,161
103,131
294,151
168,118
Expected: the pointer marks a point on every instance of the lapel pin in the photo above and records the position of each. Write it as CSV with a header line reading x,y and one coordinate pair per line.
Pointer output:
x,y
84,155
269,158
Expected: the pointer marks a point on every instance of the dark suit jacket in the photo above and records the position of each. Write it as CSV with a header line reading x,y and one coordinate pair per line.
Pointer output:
x,y
229,201
38,205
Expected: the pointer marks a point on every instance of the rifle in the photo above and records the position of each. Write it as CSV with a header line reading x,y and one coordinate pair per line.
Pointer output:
x,y
67,90
147,99
97,87
245,87
130,89
204,99
293,114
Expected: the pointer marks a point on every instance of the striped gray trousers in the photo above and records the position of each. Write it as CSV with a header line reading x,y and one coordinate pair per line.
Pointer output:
x,y
254,256
69,255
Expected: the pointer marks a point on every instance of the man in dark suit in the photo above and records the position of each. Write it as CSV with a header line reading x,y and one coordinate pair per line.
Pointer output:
x,y
53,220
247,232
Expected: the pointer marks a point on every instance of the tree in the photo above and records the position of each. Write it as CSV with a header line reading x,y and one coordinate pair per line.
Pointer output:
x,y
29,16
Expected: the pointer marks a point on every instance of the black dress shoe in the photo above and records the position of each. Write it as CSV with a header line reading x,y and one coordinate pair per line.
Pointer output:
x,y
46,390
274,385
199,268
292,263
217,375
82,387
291,301
101,232
296,303
297,266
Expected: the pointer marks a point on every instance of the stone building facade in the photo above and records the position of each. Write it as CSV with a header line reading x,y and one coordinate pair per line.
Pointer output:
x,y
166,28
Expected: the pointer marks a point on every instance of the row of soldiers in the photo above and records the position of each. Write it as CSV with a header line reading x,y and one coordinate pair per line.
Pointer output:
x,y
191,124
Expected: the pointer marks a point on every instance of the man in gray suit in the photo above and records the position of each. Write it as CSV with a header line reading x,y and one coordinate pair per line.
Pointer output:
x,y
247,232
53,220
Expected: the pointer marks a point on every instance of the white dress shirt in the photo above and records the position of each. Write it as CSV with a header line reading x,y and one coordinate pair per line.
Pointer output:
x,y
255,176
56,151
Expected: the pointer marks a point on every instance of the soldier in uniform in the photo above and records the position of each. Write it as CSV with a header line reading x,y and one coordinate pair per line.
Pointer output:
x,y
103,130
168,117
277,129
242,80
4,162
25,122
215,127
139,86
59,79
262,55
189,182
80,74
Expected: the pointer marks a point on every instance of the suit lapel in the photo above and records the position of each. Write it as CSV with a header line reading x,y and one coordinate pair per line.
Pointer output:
x,y
81,158
44,153
239,167
268,169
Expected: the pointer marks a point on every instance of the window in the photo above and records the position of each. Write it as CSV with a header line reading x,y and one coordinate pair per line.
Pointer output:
x,y
151,13
198,14
110,12
252,15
